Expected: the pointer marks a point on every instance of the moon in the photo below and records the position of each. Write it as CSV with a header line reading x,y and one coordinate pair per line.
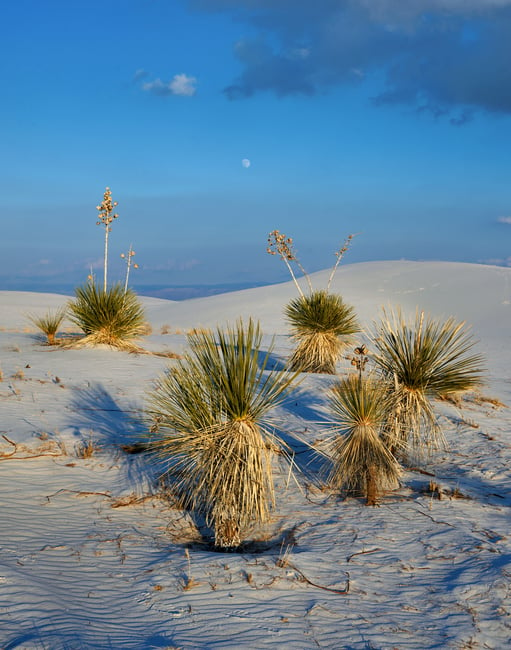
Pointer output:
x,y
245,163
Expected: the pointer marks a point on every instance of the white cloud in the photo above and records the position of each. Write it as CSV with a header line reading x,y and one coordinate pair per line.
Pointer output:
x,y
504,220
181,84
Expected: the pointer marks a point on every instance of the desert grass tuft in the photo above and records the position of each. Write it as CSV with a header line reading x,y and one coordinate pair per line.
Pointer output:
x,y
478,398
212,429
421,360
189,581
361,462
113,317
322,325
86,448
50,323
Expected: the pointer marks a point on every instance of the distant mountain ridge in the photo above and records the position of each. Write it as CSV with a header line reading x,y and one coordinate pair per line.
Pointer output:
x,y
172,292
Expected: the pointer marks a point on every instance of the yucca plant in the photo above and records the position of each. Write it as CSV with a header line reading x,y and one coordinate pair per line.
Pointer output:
x,y
113,317
322,324
50,323
212,430
361,462
420,360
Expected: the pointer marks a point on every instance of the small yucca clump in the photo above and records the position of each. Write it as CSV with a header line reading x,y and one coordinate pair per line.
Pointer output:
x,y
211,428
322,324
50,323
422,360
361,462
113,317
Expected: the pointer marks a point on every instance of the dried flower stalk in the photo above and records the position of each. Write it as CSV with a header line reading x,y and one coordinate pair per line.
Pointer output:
x,y
128,258
339,255
105,218
279,244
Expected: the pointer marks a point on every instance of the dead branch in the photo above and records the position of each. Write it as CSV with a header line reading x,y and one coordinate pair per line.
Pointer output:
x,y
133,500
435,521
341,592
79,493
5,456
420,471
373,550
12,455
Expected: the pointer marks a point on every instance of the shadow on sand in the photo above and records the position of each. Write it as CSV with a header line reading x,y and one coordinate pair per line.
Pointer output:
x,y
101,421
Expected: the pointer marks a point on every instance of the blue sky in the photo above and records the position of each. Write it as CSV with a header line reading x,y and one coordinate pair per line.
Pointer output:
x,y
385,118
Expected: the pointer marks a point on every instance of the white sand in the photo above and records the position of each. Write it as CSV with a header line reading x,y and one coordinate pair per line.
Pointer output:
x,y
91,557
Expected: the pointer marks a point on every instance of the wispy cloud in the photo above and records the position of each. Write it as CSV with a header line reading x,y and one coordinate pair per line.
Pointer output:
x,y
93,264
173,264
504,220
180,84
446,57
139,75
497,261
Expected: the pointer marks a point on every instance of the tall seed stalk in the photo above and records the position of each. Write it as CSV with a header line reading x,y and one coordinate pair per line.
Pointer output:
x,y
128,257
279,244
339,255
105,218
283,246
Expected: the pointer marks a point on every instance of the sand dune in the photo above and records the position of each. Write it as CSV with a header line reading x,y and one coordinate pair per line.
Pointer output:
x,y
91,557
